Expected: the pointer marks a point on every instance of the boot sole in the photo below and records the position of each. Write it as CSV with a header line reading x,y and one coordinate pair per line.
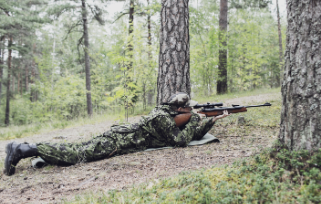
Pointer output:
x,y
9,169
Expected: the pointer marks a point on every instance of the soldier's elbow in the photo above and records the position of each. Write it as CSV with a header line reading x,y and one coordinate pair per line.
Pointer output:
x,y
181,143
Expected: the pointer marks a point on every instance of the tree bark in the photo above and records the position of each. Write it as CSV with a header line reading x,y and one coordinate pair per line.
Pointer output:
x,y
174,55
300,126
221,87
7,112
280,42
87,63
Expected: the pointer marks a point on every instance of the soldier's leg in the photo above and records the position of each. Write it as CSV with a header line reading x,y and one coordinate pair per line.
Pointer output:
x,y
15,152
71,153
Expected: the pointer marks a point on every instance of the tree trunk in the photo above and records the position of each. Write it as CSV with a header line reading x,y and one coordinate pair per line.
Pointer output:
x,y
87,63
130,33
32,81
1,69
149,35
18,81
7,113
174,57
221,87
27,78
150,93
300,126
13,84
280,43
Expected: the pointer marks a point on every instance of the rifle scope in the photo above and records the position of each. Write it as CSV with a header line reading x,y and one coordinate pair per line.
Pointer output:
x,y
208,105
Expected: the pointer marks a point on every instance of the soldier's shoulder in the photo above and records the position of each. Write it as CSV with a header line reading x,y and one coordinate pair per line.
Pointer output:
x,y
161,110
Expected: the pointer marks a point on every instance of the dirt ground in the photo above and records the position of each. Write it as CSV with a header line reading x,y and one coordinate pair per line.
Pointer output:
x,y
54,184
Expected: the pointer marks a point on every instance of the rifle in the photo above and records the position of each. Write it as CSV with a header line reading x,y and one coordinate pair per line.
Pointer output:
x,y
212,109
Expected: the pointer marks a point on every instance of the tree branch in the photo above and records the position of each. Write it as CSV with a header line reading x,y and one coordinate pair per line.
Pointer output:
x,y
121,15
71,28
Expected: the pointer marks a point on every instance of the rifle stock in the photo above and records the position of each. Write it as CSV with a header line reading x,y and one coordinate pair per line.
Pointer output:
x,y
220,112
182,119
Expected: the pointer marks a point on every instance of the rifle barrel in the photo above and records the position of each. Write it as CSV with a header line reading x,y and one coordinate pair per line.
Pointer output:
x,y
266,104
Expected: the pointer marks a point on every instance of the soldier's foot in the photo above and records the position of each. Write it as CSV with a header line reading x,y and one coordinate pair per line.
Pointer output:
x,y
15,152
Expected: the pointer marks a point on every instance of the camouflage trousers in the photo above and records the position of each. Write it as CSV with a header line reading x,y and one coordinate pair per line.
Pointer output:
x,y
100,147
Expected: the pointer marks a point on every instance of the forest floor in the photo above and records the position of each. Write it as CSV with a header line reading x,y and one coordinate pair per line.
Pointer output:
x,y
53,184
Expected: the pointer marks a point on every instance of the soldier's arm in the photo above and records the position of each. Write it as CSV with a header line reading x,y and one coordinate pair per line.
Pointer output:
x,y
166,126
203,128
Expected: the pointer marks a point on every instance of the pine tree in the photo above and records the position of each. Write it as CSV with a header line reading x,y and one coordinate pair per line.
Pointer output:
x,y
174,56
280,40
82,21
17,21
221,87
300,126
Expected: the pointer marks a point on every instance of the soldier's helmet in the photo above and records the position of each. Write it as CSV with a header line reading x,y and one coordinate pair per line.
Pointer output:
x,y
181,99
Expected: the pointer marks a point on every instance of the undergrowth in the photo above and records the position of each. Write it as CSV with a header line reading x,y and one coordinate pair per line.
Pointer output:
x,y
267,116
16,131
274,176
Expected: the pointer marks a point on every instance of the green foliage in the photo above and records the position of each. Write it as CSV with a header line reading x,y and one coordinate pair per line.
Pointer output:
x,y
274,176
253,60
54,65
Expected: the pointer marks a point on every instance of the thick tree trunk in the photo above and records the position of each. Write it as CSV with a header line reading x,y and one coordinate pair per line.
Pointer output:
x,y
7,112
87,63
280,43
300,126
221,87
174,57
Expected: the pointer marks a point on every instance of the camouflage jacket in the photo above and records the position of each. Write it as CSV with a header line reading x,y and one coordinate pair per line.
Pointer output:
x,y
158,129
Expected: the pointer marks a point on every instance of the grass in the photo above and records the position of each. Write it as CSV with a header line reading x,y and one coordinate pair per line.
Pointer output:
x,y
260,179
270,177
273,176
12,132
222,98
1,164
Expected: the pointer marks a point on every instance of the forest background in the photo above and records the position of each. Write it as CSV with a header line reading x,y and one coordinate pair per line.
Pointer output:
x,y
45,78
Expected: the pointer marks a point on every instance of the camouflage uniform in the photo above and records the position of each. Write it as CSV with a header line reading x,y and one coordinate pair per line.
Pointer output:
x,y
158,129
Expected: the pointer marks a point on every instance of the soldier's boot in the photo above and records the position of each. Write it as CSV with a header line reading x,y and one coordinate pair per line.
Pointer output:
x,y
15,152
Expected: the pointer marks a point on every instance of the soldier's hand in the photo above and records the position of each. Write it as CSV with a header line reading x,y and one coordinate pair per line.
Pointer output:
x,y
201,115
225,114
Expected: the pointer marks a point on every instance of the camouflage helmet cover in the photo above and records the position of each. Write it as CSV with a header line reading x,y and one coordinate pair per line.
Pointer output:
x,y
181,99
